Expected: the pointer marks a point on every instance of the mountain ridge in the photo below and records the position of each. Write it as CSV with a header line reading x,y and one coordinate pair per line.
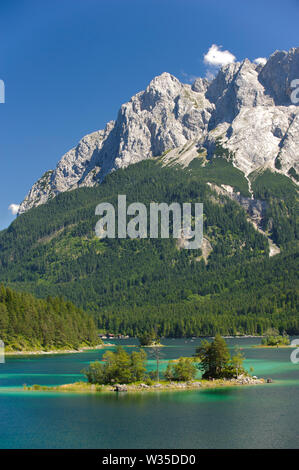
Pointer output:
x,y
242,109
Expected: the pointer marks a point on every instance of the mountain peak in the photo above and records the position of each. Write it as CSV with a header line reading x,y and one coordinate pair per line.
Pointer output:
x,y
246,106
164,77
276,76
164,85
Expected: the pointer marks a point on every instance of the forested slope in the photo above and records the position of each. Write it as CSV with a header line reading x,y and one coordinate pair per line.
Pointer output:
x,y
27,323
133,285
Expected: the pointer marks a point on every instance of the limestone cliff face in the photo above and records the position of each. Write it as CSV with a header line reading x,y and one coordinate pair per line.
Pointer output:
x,y
247,109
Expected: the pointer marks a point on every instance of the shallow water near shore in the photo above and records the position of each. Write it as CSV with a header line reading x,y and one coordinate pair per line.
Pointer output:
x,y
264,416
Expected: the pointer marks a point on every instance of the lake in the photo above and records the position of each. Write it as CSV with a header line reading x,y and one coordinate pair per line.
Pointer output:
x,y
264,416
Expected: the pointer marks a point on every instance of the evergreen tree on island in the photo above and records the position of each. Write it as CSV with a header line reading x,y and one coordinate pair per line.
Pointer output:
x,y
215,360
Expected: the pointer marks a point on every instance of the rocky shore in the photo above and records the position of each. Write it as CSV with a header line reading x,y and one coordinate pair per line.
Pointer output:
x,y
186,385
154,387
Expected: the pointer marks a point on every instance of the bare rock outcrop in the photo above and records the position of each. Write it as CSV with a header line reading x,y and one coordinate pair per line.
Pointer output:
x,y
246,108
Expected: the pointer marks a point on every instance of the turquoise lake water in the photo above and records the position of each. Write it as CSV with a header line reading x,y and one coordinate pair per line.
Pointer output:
x,y
265,416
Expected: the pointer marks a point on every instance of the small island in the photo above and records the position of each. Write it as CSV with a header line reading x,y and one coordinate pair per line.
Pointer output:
x,y
273,339
149,339
120,371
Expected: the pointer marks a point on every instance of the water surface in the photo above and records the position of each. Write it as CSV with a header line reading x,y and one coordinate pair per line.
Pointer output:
x,y
264,416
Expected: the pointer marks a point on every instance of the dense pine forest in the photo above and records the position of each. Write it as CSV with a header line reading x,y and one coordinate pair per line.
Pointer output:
x,y
27,323
132,286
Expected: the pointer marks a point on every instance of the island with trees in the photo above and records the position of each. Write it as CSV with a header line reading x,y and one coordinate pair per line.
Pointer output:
x,y
121,371
273,339
149,338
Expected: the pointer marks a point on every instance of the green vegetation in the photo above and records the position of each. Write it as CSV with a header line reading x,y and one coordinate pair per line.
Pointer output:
x,y
137,286
216,362
273,338
267,184
149,386
220,171
212,358
156,353
182,370
292,172
119,367
278,163
28,324
276,341
221,151
281,219
148,338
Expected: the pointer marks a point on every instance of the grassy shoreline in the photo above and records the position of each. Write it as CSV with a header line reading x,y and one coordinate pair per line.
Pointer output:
x,y
162,386
57,351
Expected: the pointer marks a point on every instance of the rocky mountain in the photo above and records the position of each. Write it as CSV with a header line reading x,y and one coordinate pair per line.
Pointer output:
x,y
246,111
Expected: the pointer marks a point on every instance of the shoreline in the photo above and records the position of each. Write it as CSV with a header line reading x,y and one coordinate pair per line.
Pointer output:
x,y
57,351
41,352
101,346
281,346
84,387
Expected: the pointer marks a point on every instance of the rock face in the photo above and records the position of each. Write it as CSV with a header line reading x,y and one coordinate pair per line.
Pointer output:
x,y
277,75
247,109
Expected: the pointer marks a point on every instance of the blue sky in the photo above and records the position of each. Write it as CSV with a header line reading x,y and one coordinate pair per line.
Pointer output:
x,y
68,65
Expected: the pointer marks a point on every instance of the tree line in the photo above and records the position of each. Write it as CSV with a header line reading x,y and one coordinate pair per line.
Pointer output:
x,y
27,323
133,286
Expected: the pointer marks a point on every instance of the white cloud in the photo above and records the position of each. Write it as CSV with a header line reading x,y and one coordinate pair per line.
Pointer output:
x,y
260,61
216,57
14,208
